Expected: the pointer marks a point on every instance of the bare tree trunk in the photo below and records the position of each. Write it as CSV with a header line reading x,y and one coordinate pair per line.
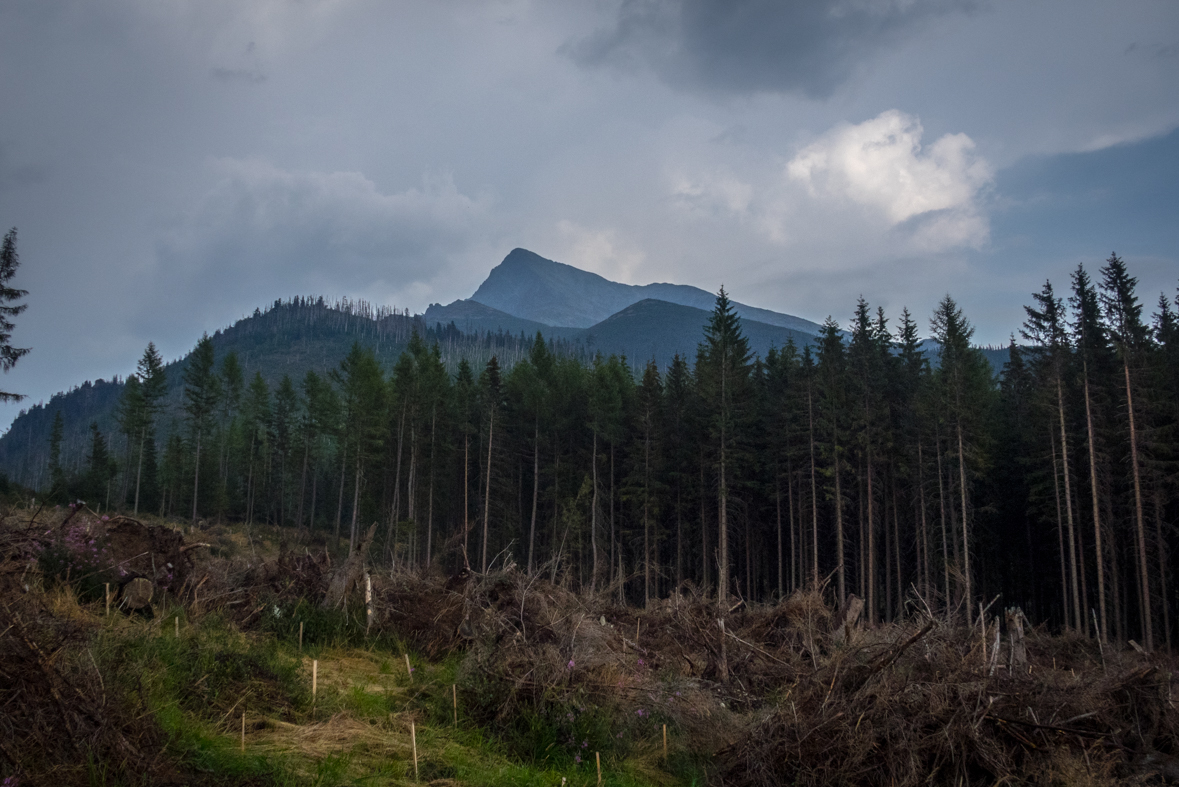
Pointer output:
x,y
778,511
594,515
1064,594
1068,508
302,485
941,498
466,496
1096,507
924,523
355,503
487,489
1147,623
430,501
138,470
814,496
340,499
395,511
965,525
839,546
196,478
535,493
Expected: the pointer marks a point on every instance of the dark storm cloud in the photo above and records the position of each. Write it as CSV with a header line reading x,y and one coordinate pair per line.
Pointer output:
x,y
755,45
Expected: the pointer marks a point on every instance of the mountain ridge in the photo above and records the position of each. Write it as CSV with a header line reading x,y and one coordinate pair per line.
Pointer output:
x,y
528,286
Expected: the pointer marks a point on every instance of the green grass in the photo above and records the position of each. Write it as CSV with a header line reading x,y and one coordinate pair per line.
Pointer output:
x,y
197,686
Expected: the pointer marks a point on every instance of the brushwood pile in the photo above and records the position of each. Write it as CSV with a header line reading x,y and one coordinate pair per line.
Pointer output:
x,y
796,692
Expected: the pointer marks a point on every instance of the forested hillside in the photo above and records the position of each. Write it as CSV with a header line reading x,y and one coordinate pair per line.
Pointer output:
x,y
855,462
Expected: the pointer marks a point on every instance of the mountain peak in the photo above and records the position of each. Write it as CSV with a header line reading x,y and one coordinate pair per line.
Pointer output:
x,y
529,286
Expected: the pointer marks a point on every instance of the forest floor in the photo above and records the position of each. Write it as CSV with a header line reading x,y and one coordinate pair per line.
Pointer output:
x,y
243,670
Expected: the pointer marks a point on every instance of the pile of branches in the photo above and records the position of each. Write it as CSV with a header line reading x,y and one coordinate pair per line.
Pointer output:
x,y
58,725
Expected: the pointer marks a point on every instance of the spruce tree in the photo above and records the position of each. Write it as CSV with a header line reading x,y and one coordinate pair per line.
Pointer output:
x,y
963,384
1123,317
202,390
9,355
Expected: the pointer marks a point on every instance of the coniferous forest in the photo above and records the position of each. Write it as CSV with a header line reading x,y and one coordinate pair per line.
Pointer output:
x,y
869,462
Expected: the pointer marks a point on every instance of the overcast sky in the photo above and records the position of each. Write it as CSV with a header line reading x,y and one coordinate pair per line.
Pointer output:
x,y
171,164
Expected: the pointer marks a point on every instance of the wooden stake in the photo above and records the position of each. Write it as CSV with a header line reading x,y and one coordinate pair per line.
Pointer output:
x,y
176,620
243,731
300,636
413,736
664,744
598,759
314,678
408,669
108,598
454,697
368,602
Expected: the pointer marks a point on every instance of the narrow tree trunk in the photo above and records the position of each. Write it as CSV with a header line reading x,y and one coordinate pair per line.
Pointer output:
x,y
340,501
814,496
139,470
1068,508
430,499
302,484
314,489
1096,507
535,493
1064,593
355,503
965,526
778,512
196,478
924,523
1147,623
487,489
941,498
466,497
594,515
395,511
841,556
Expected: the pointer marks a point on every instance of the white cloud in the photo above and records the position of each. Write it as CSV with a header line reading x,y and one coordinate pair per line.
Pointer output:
x,y
599,251
880,164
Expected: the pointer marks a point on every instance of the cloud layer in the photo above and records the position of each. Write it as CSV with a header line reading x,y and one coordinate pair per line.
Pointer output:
x,y
755,45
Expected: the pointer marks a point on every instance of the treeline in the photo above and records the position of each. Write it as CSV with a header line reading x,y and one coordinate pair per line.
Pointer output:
x,y
859,462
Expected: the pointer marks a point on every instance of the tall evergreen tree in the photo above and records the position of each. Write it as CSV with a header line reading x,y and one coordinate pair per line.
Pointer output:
x,y
1123,316
9,355
963,384
202,390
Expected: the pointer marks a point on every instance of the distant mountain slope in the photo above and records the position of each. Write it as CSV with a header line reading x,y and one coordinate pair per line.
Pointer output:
x,y
288,338
471,316
658,329
529,286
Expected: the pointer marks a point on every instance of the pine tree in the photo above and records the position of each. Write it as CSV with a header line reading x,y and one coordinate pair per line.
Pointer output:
x,y
1045,328
9,355
491,394
362,387
963,383
1123,316
152,383
1091,341
202,390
